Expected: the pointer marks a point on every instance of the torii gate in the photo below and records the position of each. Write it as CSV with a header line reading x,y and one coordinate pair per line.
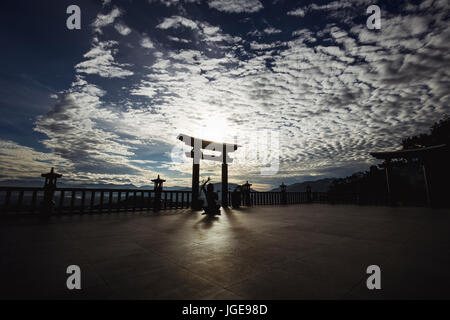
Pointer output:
x,y
196,154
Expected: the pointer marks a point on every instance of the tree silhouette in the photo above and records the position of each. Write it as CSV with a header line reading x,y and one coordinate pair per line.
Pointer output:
x,y
369,186
439,134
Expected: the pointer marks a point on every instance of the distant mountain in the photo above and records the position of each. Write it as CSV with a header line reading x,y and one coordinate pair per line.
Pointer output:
x,y
40,183
321,185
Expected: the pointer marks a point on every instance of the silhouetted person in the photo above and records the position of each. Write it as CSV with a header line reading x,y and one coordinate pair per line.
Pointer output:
x,y
236,197
211,198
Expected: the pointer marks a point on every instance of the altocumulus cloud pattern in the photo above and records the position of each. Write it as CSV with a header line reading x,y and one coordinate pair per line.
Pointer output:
x,y
141,72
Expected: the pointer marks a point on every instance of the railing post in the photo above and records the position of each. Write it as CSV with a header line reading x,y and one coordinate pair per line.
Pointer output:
x,y
119,199
110,201
7,200
72,202
83,200
127,198
91,207
149,201
165,200
61,201
134,200
308,194
33,201
182,199
102,197
283,193
20,200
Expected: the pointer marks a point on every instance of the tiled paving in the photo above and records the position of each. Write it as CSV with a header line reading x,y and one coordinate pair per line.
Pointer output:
x,y
291,252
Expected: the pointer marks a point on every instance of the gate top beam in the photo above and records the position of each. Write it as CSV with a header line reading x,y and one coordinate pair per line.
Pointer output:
x,y
190,141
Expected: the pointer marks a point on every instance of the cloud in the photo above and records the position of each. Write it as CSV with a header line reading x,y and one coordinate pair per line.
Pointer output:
x,y
169,3
177,22
122,29
334,94
297,12
147,43
20,162
103,20
272,30
236,6
81,129
100,60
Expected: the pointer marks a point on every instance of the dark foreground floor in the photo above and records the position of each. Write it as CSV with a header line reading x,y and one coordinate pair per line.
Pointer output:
x,y
294,252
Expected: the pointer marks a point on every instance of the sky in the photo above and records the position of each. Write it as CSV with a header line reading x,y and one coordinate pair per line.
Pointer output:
x,y
303,87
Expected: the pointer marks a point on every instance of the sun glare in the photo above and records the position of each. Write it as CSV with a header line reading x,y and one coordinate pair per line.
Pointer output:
x,y
215,129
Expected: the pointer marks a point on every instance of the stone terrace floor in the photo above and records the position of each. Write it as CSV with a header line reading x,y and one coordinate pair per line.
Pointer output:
x,y
274,252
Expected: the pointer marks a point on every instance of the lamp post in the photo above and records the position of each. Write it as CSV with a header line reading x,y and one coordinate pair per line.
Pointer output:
x,y
158,192
246,192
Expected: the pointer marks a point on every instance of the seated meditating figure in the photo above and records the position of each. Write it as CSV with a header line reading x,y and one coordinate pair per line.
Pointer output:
x,y
211,197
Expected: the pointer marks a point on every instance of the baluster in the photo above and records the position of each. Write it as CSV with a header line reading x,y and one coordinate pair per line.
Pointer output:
x,y
20,200
134,200
110,199
102,197
176,200
119,200
72,201
7,200
92,201
149,202
165,199
142,200
83,199
61,200
126,200
33,201
182,199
